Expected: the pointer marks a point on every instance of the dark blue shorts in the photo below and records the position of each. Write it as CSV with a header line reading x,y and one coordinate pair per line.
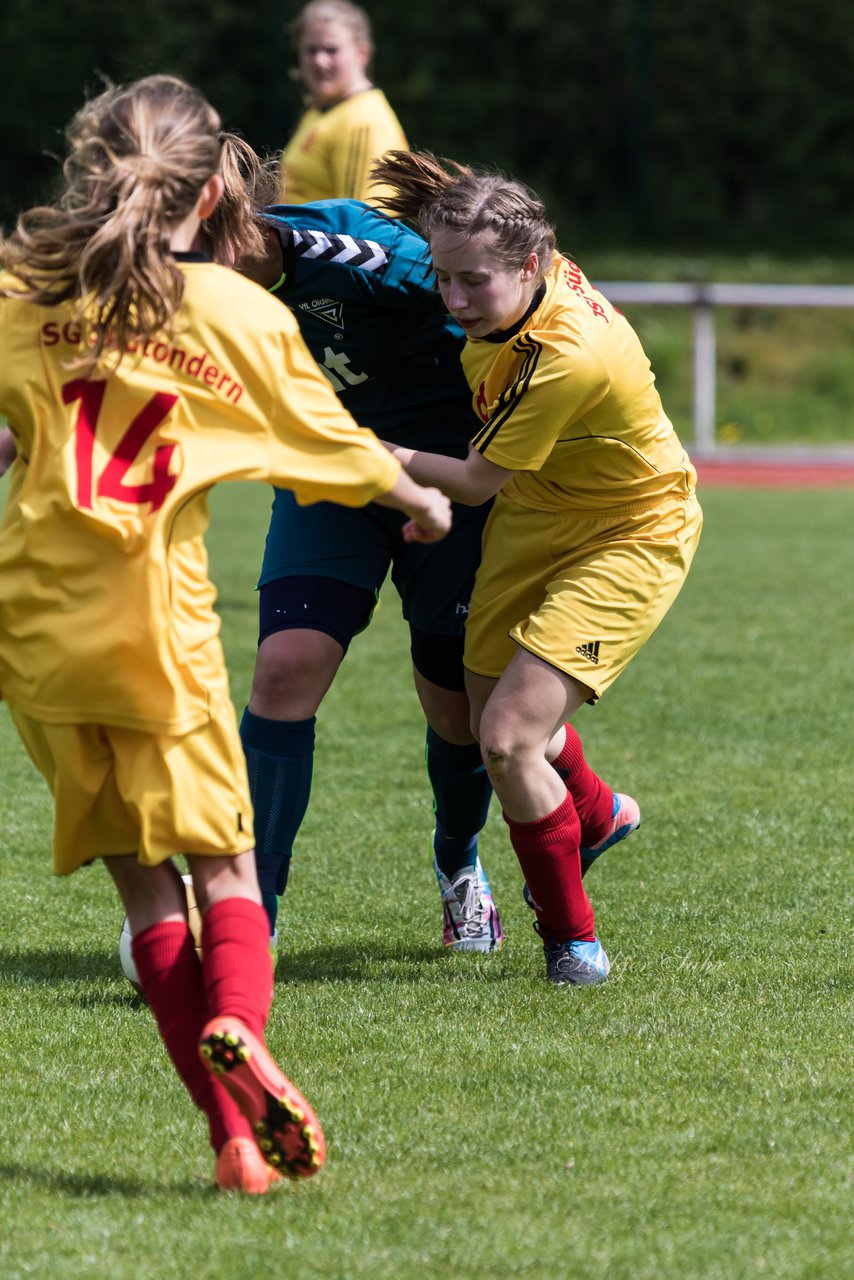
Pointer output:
x,y
325,544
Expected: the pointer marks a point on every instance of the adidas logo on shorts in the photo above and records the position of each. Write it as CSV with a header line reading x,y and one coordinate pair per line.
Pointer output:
x,y
590,651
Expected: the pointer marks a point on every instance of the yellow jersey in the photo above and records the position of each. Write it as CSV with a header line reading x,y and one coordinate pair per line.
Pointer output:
x,y
330,155
568,401
106,606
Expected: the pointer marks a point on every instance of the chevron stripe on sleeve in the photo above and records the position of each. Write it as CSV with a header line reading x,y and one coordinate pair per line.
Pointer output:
x,y
367,255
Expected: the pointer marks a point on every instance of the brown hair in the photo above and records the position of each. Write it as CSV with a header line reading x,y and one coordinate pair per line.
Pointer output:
x,y
234,231
138,158
442,195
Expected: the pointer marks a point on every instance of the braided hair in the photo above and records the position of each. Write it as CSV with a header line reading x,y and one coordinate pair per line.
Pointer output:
x,y
442,195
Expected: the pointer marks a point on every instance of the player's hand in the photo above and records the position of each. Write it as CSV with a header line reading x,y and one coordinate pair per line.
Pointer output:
x,y
431,519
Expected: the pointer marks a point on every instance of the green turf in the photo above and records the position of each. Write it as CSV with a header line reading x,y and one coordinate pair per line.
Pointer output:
x,y
691,1120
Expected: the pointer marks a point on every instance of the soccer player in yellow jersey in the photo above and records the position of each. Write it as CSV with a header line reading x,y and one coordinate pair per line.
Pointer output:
x,y
592,533
348,123
135,374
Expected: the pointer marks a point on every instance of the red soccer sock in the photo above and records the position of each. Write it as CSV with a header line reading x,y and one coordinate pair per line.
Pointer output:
x,y
548,855
593,800
238,967
170,974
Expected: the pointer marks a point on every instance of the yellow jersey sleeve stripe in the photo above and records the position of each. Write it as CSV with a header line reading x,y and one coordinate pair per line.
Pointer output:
x,y
530,350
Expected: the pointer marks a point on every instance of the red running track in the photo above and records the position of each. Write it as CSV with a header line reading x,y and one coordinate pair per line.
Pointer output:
x,y
752,473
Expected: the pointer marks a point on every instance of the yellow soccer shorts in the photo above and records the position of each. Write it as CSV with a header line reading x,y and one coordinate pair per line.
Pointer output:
x,y
582,592
122,791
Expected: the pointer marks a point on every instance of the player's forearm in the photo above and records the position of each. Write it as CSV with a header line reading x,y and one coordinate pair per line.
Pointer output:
x,y
471,481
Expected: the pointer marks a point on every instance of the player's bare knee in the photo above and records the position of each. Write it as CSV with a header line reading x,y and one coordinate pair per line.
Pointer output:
x,y
285,690
499,755
293,672
449,717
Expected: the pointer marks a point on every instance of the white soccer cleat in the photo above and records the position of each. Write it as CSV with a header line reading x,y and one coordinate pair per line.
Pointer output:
x,y
472,922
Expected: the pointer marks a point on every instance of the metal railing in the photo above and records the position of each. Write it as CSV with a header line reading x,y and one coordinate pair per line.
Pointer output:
x,y
702,299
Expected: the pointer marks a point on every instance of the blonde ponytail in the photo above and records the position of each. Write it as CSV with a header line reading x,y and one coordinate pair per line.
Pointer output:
x,y
138,159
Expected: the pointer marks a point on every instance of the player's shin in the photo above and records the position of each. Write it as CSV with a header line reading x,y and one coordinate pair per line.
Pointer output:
x,y
548,853
238,971
461,796
170,975
593,799
279,761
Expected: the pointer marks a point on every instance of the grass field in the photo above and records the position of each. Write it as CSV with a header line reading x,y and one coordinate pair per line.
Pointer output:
x,y
691,1120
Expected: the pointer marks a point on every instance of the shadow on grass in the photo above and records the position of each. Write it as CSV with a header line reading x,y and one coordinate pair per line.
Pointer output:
x,y
90,1186
98,974
55,966
355,962
389,963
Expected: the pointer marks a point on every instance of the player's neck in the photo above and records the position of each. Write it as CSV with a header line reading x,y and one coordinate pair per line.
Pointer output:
x,y
360,86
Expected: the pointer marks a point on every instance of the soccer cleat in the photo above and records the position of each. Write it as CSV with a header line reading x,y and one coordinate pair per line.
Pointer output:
x,y
578,964
472,922
240,1166
624,820
286,1129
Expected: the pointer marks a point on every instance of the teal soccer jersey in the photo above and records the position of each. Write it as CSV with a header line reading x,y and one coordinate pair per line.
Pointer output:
x,y
362,290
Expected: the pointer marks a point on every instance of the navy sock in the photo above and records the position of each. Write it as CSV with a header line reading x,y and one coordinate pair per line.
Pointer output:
x,y
461,796
279,759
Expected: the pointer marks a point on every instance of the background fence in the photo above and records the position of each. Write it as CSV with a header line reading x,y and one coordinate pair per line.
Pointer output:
x,y
703,299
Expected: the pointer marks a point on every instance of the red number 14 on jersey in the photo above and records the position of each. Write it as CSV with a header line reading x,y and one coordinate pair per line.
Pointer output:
x,y
111,482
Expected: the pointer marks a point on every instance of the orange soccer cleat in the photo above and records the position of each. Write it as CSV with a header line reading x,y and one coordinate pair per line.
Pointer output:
x,y
286,1129
240,1166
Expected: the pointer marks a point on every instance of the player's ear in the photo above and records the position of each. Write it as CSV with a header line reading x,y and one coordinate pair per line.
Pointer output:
x,y
530,268
210,196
